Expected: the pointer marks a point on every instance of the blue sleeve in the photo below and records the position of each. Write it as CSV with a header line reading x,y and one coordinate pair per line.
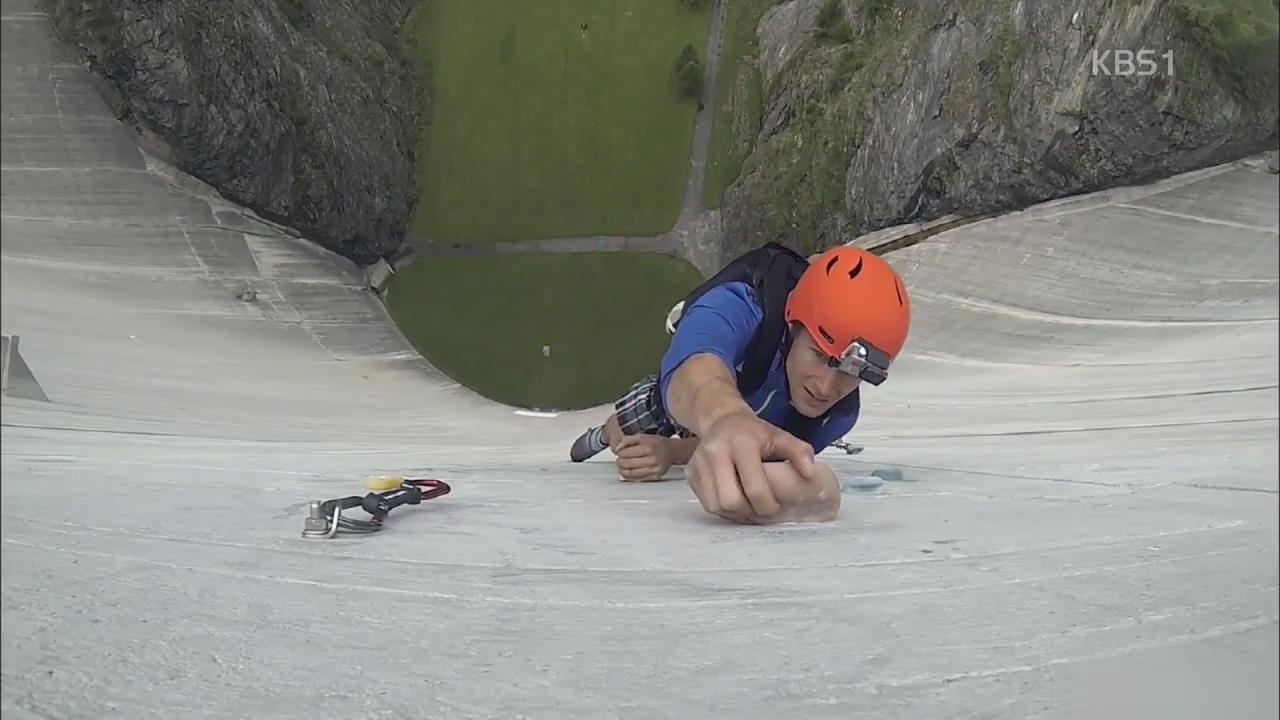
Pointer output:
x,y
720,322
834,429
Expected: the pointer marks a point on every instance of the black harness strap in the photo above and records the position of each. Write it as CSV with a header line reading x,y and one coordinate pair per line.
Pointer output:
x,y
771,271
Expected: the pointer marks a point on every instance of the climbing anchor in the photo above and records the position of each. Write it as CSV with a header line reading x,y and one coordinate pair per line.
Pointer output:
x,y
325,518
848,448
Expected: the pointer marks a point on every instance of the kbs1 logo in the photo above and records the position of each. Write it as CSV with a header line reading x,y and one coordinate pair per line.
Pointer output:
x,y
1127,63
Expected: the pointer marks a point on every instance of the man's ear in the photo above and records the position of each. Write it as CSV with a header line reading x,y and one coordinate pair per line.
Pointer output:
x,y
790,334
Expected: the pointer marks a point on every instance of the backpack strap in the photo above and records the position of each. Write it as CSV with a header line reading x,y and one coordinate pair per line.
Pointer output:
x,y
747,268
772,281
771,271
775,275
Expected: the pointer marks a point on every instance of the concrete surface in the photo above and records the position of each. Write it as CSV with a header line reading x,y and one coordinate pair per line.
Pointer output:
x,y
1087,419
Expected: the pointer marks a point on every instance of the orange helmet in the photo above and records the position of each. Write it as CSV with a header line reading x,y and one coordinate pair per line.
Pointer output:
x,y
849,299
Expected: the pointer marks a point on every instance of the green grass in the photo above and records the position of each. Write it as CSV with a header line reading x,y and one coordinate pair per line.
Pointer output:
x,y
296,12
804,166
484,320
1241,37
1008,51
724,161
541,129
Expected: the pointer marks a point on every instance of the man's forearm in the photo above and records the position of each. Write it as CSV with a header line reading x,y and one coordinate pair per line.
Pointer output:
x,y
702,391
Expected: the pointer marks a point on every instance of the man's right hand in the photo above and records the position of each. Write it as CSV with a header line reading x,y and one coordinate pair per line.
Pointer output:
x,y
727,472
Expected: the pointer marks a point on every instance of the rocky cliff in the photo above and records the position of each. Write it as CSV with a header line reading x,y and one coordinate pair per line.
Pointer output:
x,y
879,112
303,110
875,112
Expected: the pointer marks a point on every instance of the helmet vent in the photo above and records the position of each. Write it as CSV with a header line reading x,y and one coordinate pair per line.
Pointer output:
x,y
856,269
831,263
826,335
897,288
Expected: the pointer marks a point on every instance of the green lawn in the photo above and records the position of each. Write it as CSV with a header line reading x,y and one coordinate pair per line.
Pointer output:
x,y
723,164
539,128
484,321
1240,37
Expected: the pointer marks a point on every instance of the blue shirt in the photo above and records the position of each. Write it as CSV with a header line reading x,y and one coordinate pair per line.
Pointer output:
x,y
721,322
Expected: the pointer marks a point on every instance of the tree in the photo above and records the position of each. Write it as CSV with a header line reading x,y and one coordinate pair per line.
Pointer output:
x,y
689,73
831,25
689,78
687,55
688,69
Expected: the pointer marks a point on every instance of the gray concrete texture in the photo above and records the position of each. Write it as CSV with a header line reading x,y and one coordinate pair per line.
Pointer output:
x,y
1087,528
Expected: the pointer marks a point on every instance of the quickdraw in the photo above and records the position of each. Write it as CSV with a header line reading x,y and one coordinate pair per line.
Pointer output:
x,y
326,520
848,448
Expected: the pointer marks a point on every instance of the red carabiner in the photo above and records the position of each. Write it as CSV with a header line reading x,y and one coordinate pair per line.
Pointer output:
x,y
438,487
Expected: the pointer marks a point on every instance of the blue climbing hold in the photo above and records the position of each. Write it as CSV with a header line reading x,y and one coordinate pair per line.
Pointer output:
x,y
861,483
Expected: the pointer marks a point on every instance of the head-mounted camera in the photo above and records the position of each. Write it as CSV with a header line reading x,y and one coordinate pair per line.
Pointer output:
x,y
863,360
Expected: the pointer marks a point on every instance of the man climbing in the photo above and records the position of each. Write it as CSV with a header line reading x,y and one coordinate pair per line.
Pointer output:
x,y
762,372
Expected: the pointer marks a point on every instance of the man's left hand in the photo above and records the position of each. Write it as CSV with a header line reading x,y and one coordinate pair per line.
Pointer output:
x,y
644,458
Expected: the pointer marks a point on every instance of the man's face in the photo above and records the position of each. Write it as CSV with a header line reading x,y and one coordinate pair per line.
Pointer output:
x,y
815,386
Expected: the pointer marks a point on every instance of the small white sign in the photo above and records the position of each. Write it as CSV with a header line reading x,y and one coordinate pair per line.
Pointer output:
x,y
1120,62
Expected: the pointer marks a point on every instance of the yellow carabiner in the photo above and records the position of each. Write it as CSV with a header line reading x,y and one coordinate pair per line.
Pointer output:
x,y
385,482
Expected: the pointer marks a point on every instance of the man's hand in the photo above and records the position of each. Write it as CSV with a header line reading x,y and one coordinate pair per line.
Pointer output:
x,y
727,471
644,458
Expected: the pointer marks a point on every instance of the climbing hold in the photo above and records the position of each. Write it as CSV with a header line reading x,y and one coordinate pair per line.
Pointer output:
x,y
888,474
861,483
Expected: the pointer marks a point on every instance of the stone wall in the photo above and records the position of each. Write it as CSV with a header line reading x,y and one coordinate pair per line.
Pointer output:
x,y
305,111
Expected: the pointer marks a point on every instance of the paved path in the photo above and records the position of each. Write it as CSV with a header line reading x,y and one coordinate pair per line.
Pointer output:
x,y
694,237
705,118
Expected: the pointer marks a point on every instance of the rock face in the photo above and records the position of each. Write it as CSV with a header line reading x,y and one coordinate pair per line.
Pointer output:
x,y
303,110
875,113
880,112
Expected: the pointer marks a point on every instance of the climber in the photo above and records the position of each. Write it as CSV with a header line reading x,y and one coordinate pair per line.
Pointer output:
x,y
762,372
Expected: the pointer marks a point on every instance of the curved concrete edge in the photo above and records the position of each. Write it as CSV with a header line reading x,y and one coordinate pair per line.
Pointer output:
x,y
896,237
